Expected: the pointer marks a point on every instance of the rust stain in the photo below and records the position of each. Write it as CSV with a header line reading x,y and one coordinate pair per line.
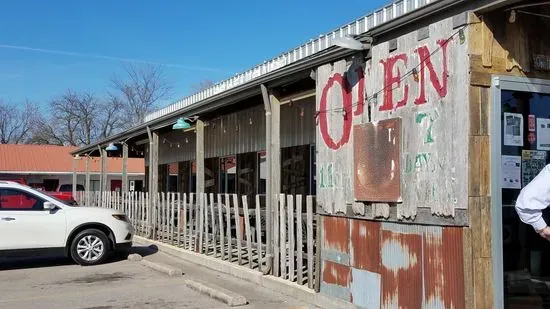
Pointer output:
x,y
336,233
453,268
365,245
377,158
337,274
443,268
401,270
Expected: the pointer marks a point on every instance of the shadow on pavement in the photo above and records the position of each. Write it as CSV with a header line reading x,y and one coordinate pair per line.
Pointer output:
x,y
28,262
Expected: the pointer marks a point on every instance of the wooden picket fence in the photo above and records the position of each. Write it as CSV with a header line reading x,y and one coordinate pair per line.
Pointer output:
x,y
224,226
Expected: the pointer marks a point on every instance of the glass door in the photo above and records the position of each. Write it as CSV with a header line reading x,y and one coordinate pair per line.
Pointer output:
x,y
520,140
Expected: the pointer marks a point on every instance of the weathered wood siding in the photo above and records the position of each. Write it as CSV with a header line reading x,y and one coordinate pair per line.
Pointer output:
x,y
421,77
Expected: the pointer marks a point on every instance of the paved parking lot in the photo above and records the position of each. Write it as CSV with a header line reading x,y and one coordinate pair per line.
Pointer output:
x,y
58,283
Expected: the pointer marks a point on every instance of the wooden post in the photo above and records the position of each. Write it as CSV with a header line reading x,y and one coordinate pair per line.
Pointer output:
x,y
237,227
282,231
275,168
247,230
124,167
200,156
309,225
213,217
259,232
88,202
75,162
220,221
228,216
299,236
153,179
104,169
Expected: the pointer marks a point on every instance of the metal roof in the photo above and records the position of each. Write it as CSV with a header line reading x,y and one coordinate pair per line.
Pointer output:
x,y
314,53
378,17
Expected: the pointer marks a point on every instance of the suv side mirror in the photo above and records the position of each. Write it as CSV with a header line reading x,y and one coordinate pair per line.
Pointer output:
x,y
49,206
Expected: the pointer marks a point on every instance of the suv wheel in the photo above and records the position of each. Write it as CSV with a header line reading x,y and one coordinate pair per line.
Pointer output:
x,y
90,247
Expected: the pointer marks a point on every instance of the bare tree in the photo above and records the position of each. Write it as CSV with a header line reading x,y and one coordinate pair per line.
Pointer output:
x,y
16,122
78,119
140,91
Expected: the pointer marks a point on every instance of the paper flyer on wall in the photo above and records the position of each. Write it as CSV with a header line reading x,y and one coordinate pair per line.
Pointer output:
x,y
532,162
511,172
543,134
513,129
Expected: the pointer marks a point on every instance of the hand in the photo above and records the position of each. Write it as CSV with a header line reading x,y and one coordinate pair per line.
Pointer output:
x,y
545,233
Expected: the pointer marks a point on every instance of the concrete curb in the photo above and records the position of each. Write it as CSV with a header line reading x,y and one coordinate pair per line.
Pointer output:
x,y
230,298
282,286
163,268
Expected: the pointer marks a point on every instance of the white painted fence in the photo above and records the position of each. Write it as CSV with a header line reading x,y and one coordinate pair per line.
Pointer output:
x,y
226,227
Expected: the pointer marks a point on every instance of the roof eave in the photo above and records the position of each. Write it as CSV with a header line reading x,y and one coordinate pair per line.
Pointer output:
x,y
225,98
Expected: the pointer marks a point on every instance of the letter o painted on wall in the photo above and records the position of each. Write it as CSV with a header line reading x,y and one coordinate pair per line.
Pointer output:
x,y
324,111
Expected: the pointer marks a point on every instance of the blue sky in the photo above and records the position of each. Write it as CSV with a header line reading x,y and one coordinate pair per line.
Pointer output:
x,y
205,39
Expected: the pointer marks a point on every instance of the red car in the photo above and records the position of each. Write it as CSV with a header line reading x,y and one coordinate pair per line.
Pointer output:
x,y
63,193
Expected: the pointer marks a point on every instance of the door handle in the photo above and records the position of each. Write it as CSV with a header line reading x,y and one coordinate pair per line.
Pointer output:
x,y
8,219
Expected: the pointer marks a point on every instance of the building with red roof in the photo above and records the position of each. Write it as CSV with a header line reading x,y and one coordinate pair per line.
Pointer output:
x,y
48,166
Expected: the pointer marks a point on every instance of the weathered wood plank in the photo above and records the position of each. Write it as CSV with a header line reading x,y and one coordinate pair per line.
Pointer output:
x,y
220,222
258,232
487,41
178,205
248,231
276,240
468,267
299,236
185,219
228,216
237,227
282,231
481,226
191,221
479,171
291,241
206,221
318,256
201,220
173,212
483,283
214,231
309,226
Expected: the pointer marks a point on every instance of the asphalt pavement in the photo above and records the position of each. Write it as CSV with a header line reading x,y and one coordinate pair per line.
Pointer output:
x,y
56,282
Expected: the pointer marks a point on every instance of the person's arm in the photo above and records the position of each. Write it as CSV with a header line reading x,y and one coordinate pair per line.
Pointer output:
x,y
533,198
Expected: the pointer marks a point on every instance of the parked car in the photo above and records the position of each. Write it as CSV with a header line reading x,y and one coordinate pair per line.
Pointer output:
x,y
32,222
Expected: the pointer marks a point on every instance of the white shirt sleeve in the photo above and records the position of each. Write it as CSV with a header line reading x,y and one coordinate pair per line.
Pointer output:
x,y
533,198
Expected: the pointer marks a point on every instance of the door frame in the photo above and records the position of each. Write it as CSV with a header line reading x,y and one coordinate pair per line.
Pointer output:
x,y
499,83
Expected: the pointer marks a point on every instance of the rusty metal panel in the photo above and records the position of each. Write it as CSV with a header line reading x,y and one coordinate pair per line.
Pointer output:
x,y
401,270
443,268
377,161
365,288
336,280
336,236
365,245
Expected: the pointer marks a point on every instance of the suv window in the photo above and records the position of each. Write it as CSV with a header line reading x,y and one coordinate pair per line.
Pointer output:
x,y
14,199
69,188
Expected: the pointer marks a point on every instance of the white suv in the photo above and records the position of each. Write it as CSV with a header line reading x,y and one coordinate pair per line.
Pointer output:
x,y
34,222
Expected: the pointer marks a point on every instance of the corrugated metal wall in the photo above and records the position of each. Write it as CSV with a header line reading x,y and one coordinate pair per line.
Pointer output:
x,y
389,265
242,132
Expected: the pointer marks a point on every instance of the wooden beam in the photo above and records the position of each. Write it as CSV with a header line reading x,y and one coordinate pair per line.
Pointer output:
x,y
75,162
199,127
124,168
87,189
276,147
104,169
